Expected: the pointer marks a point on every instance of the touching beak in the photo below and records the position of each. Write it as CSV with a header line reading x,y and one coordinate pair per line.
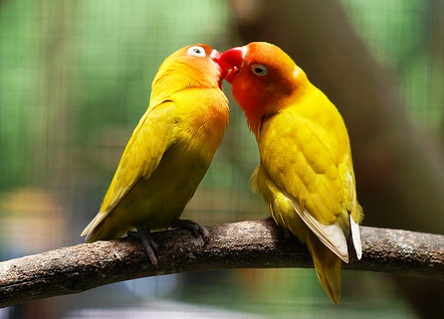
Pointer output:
x,y
215,56
231,61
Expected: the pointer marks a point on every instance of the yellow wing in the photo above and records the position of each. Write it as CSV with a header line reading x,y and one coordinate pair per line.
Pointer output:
x,y
312,167
142,154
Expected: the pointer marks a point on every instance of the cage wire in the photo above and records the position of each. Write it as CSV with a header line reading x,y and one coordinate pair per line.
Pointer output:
x,y
75,78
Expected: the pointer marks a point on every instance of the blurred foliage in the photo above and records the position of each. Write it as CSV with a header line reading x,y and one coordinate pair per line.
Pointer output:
x,y
408,38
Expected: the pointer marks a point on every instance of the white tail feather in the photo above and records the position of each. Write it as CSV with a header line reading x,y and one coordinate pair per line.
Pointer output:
x,y
356,237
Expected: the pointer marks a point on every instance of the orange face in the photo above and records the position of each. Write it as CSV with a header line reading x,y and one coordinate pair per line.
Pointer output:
x,y
263,77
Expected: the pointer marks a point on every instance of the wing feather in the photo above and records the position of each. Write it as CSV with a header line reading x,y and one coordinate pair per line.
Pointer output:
x,y
148,142
331,235
306,163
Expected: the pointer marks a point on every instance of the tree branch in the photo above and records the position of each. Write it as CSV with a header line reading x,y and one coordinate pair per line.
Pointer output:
x,y
249,244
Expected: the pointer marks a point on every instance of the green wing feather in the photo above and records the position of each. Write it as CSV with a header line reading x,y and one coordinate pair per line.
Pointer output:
x,y
149,141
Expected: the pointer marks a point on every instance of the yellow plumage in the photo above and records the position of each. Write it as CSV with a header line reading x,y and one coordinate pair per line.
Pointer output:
x,y
170,149
305,173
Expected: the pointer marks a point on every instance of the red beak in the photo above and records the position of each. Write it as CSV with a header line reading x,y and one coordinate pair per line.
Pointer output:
x,y
232,60
215,56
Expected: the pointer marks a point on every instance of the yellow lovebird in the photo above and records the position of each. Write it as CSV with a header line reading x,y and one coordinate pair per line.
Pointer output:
x,y
306,172
169,151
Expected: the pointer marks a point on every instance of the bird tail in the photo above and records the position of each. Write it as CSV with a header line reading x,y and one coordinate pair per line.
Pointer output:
x,y
91,231
328,268
100,228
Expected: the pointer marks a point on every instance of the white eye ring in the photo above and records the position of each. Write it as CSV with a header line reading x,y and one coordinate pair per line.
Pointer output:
x,y
259,69
197,51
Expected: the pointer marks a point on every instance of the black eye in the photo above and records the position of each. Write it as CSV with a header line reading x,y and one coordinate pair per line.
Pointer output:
x,y
197,51
259,69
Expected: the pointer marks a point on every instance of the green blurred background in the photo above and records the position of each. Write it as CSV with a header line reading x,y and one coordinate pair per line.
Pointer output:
x,y
75,78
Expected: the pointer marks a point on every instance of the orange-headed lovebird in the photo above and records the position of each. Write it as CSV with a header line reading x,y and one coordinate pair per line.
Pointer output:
x,y
306,172
169,151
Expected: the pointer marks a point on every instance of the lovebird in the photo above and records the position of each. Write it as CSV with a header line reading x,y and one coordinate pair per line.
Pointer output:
x,y
169,151
305,173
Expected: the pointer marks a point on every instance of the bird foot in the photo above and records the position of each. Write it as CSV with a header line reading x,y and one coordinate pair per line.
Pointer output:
x,y
150,245
194,227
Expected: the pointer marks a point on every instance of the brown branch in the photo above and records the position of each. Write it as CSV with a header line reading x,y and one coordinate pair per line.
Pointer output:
x,y
255,244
